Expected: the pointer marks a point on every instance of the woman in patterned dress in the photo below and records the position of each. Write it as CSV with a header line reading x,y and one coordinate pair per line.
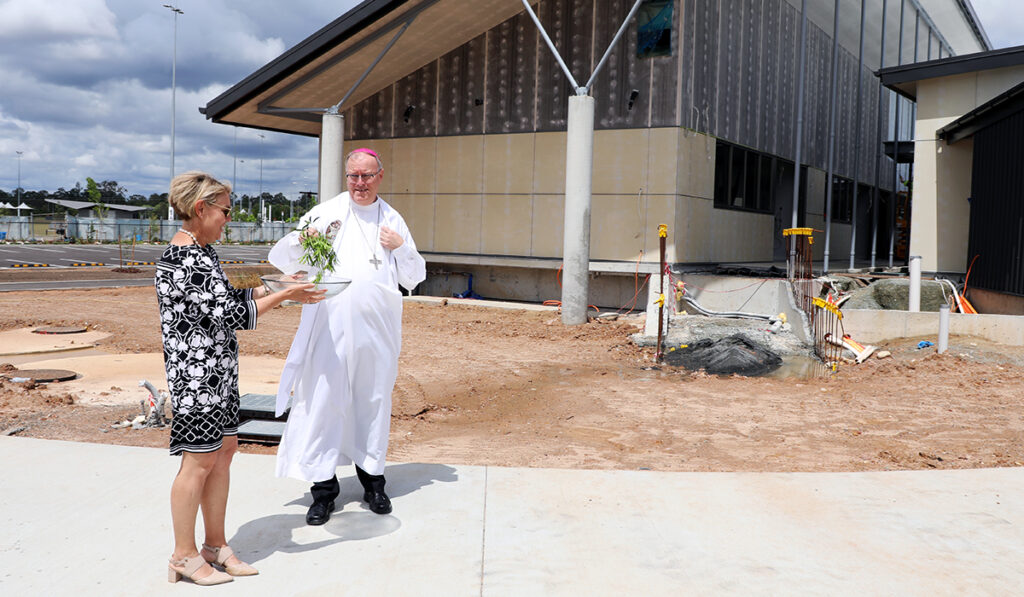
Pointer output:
x,y
199,313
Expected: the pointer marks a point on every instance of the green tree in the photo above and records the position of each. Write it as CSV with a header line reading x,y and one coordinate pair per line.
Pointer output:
x,y
92,191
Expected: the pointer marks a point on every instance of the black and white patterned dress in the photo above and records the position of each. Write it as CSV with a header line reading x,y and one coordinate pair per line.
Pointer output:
x,y
199,313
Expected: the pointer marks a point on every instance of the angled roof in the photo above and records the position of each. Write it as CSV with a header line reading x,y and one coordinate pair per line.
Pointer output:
x,y
89,204
903,79
292,92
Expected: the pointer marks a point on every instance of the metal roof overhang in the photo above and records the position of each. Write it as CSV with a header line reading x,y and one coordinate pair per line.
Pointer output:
x,y
1005,104
291,93
903,79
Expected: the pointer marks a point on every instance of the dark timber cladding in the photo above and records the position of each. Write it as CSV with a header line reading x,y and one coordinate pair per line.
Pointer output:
x,y
997,207
511,66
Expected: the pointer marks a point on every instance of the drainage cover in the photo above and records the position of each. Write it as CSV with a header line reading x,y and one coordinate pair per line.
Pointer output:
x,y
41,375
69,329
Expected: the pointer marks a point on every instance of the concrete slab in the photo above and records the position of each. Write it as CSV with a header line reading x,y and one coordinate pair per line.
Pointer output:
x,y
91,519
26,342
509,305
114,378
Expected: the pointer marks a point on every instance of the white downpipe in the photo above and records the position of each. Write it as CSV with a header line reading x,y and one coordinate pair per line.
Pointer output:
x,y
943,328
579,166
915,284
332,167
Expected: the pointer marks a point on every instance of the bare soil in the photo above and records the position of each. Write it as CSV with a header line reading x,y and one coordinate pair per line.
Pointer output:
x,y
488,386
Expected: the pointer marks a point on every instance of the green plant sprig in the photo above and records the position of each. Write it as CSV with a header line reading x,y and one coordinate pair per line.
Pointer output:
x,y
318,252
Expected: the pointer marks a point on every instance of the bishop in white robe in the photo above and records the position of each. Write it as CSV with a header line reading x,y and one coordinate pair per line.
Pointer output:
x,y
343,362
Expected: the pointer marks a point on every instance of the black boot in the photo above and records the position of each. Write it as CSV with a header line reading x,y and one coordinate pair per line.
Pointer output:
x,y
373,492
324,493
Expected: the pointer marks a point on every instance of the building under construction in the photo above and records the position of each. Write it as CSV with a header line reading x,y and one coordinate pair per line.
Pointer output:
x,y
727,120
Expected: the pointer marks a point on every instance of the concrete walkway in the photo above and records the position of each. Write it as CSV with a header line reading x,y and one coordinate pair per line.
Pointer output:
x,y
92,519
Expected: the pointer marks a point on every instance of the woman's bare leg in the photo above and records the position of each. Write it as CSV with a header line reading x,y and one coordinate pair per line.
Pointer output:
x,y
215,496
186,494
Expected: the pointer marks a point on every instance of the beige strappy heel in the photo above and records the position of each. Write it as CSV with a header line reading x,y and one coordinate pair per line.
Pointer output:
x,y
220,558
188,569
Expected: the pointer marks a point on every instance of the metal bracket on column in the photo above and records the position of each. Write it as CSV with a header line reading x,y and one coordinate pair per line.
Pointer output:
x,y
585,89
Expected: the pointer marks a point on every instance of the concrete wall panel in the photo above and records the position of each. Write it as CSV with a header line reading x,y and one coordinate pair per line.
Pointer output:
x,y
548,225
549,163
418,212
413,166
662,156
506,221
460,164
457,221
620,157
508,164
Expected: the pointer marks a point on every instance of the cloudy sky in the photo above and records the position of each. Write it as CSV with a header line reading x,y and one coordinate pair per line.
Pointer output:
x,y
85,88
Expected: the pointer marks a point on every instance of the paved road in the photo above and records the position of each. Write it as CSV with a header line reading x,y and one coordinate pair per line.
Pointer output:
x,y
79,255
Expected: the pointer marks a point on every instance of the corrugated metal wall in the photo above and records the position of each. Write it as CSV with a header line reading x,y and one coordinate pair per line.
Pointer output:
x,y
997,207
732,75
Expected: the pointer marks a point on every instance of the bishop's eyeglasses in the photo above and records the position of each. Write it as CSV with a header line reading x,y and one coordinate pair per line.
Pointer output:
x,y
361,177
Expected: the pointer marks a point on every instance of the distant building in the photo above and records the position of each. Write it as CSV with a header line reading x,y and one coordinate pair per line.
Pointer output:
x,y
87,209
695,126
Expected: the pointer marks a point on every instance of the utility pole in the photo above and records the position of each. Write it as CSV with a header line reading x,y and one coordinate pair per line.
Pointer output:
x,y
261,136
174,83
19,180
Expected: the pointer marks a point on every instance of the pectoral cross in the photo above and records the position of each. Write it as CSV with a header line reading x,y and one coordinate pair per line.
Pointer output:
x,y
376,262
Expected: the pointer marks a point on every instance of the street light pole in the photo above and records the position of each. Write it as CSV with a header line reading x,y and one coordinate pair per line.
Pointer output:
x,y
19,180
261,136
234,167
242,162
174,84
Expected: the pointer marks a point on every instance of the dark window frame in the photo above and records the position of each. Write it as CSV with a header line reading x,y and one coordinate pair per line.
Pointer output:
x,y
745,178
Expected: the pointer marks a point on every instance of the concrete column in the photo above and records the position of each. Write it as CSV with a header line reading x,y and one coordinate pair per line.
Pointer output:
x,y
943,329
914,299
579,166
332,157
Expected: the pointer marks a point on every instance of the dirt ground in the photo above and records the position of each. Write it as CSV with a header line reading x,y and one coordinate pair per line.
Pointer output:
x,y
487,386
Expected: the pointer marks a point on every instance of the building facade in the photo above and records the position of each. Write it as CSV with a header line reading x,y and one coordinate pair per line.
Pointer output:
x,y
696,126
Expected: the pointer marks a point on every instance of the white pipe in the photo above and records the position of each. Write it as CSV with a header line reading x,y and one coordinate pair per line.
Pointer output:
x,y
915,284
558,57
943,328
579,166
332,167
615,40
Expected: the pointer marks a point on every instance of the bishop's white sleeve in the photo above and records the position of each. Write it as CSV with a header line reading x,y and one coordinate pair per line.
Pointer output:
x,y
411,267
286,253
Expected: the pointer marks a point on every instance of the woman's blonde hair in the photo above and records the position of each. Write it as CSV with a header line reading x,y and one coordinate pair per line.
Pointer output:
x,y
192,187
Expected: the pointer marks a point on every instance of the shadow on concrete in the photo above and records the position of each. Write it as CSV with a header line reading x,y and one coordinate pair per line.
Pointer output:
x,y
265,536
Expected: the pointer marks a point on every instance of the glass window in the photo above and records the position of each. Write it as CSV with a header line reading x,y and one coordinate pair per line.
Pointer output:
x,y
766,184
736,178
722,161
654,29
745,179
